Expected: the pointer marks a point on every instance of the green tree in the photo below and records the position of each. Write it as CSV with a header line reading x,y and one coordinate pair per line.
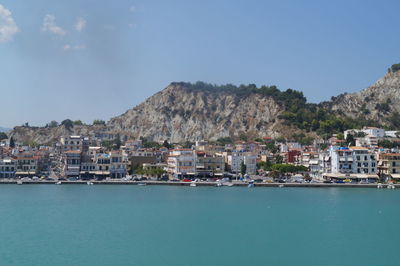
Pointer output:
x,y
166,144
350,140
224,141
117,142
243,168
98,122
3,136
53,124
12,142
68,124
78,123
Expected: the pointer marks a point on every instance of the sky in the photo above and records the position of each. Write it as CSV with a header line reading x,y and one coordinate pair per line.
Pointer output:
x,y
95,59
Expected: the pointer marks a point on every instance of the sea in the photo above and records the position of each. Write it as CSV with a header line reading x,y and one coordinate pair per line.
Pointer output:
x,y
174,225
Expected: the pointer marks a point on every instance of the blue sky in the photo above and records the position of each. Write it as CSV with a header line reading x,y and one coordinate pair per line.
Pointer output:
x,y
87,59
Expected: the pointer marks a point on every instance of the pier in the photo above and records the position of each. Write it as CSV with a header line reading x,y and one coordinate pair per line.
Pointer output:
x,y
181,183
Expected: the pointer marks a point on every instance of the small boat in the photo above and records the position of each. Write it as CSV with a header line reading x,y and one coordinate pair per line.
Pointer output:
x,y
141,184
228,184
251,183
89,183
281,185
58,183
379,186
391,186
193,184
218,184
19,182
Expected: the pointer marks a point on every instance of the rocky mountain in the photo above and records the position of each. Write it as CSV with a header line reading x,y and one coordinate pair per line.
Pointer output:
x,y
188,112
379,102
184,111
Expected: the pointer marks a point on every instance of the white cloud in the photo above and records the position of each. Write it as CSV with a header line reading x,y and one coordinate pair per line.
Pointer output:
x,y
69,47
80,24
49,25
8,28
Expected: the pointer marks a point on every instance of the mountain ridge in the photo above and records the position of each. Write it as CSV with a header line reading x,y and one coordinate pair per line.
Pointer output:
x,y
194,111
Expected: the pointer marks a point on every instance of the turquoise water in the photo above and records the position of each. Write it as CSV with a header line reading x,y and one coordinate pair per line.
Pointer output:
x,y
165,225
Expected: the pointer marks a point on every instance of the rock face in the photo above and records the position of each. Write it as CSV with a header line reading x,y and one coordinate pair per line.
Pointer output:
x,y
178,114
182,112
48,135
378,102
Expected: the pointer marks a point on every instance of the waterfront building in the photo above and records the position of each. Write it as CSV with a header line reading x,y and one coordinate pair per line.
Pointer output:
x,y
311,160
325,162
342,160
27,164
118,167
209,165
389,165
357,163
7,168
182,163
364,161
235,160
72,163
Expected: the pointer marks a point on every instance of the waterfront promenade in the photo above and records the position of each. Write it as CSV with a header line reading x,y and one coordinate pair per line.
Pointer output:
x,y
181,183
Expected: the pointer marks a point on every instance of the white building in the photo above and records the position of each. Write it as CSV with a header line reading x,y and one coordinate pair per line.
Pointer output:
x,y
72,143
364,161
341,160
234,161
353,162
374,131
181,163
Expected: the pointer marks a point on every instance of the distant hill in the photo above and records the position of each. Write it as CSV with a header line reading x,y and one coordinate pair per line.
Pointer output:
x,y
188,112
4,129
378,104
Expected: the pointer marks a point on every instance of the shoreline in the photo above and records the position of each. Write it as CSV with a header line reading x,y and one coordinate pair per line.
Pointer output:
x,y
166,183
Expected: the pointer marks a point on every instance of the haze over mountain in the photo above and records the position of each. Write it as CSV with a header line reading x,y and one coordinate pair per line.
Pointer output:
x,y
188,112
4,129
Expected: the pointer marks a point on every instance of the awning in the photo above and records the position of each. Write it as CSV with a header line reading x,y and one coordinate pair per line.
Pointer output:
x,y
395,175
352,176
